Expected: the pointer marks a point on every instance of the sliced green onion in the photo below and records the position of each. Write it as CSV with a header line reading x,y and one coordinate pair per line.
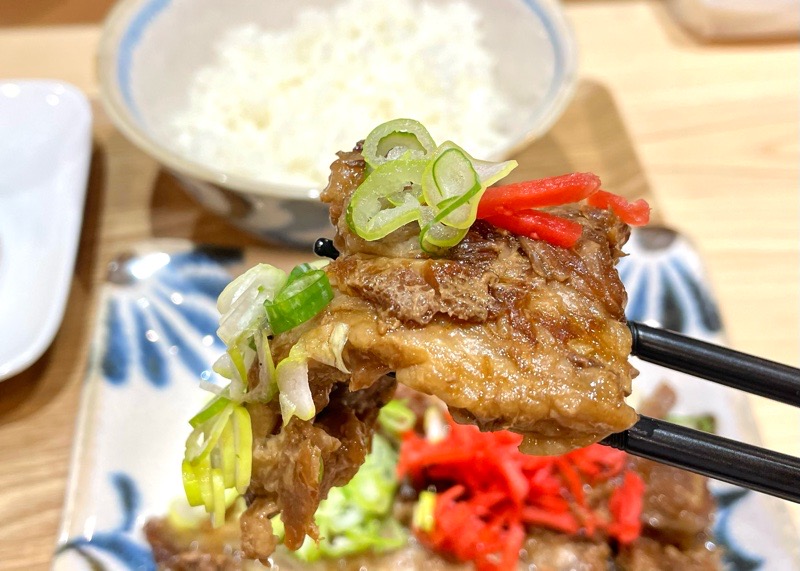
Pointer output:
x,y
260,276
243,445
435,236
299,301
489,172
306,267
227,455
396,418
202,470
244,302
278,528
205,436
374,487
218,461
231,497
371,214
394,138
327,345
401,196
295,395
434,424
212,409
451,184
267,386
246,313
224,366
704,422
218,489
336,344
373,535
422,519
242,354
454,182
357,517
396,192
237,356
191,484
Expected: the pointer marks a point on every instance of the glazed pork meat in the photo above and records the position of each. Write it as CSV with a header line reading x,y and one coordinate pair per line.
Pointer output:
x,y
510,332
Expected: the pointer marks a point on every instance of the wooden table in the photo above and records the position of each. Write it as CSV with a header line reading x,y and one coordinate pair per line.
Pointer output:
x,y
715,128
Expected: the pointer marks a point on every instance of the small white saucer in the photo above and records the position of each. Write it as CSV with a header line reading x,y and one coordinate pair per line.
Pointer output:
x,y
45,149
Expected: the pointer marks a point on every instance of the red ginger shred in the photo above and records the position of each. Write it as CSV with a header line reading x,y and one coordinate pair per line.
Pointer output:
x,y
490,493
514,207
626,508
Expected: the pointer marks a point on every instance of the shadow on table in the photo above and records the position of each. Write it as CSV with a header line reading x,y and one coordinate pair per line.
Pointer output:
x,y
175,214
589,137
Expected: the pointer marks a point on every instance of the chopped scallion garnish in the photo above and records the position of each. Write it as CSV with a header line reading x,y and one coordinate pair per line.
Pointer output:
x,y
295,395
412,180
357,517
306,267
422,519
191,484
396,418
395,138
218,458
387,199
704,422
262,301
299,300
212,409
434,424
449,183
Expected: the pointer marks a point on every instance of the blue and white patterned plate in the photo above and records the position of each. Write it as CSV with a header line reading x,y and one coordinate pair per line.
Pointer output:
x,y
155,340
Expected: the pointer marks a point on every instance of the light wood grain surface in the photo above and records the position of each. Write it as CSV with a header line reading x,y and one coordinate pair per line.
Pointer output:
x,y
710,132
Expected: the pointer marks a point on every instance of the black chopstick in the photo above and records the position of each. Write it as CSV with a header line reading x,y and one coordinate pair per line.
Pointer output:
x,y
324,248
718,364
734,462
728,460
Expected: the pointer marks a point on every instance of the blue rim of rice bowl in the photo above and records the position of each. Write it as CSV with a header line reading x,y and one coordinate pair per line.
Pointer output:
x,y
130,40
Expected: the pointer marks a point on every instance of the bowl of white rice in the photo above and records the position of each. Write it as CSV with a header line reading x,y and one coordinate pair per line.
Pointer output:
x,y
247,101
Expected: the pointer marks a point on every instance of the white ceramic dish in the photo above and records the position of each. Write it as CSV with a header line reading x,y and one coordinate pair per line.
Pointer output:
x,y
45,149
155,339
151,49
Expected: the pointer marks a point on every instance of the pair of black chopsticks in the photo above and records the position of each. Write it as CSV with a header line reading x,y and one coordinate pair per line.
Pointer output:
x,y
735,462
721,458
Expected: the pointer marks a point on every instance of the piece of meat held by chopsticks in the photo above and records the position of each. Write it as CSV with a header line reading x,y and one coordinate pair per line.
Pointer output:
x,y
504,303
511,332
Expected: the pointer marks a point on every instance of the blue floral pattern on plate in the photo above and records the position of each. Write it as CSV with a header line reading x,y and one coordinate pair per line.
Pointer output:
x,y
156,339
160,307
119,541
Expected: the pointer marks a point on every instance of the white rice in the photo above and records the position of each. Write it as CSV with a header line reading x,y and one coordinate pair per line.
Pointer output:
x,y
277,105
